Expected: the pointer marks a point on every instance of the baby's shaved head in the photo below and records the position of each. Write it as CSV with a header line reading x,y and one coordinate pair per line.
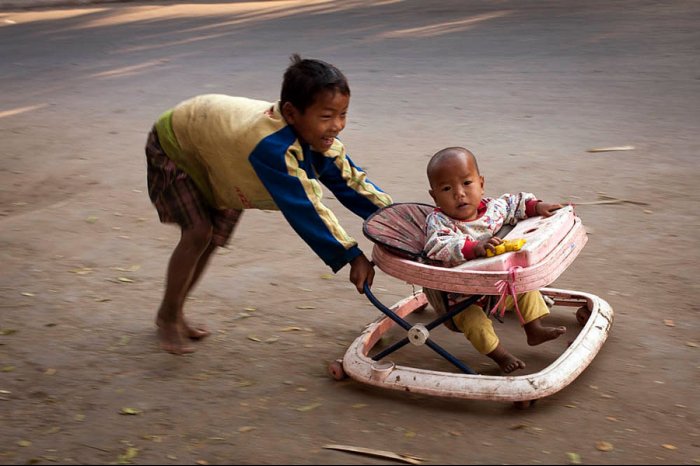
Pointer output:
x,y
448,154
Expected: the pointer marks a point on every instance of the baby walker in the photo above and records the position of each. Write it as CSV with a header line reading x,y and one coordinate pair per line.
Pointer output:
x,y
540,249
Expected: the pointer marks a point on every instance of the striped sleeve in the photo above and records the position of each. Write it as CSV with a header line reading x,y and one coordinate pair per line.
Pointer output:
x,y
276,160
349,183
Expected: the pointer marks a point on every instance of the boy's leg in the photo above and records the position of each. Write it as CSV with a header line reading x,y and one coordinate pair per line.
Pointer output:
x,y
178,200
223,223
478,329
190,255
198,332
533,309
187,264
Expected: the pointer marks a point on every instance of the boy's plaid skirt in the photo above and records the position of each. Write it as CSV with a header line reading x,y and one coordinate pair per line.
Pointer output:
x,y
177,198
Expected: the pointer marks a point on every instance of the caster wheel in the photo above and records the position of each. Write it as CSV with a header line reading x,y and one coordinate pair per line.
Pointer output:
x,y
335,369
582,315
525,404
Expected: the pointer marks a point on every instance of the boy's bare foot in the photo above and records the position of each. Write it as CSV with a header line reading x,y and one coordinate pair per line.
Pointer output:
x,y
538,334
196,333
506,361
171,340
172,336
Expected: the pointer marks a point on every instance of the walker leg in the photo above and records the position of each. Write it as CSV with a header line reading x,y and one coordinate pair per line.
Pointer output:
x,y
525,404
335,369
582,315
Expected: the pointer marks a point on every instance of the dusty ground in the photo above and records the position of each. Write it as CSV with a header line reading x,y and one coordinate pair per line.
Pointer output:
x,y
529,87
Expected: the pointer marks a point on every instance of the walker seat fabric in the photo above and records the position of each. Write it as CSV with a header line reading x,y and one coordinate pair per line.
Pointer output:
x,y
400,228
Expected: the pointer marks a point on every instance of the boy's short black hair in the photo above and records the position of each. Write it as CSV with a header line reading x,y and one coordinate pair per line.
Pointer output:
x,y
305,78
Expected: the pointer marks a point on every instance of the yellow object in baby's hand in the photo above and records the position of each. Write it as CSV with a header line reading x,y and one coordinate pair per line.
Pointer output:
x,y
508,245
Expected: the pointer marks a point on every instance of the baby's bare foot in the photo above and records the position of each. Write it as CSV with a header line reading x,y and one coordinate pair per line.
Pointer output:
x,y
540,334
506,361
510,364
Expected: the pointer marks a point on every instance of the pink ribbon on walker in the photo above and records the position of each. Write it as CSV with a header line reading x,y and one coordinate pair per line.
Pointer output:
x,y
505,288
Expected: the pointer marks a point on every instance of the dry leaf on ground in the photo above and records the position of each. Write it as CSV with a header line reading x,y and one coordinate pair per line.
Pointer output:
x,y
610,149
372,452
604,446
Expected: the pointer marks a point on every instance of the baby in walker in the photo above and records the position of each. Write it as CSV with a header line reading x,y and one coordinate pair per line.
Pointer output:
x,y
462,227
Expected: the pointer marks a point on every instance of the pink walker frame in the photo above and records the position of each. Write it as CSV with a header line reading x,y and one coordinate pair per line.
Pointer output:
x,y
552,245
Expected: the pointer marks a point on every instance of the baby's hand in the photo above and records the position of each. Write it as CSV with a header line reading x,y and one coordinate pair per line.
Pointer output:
x,y
486,244
546,210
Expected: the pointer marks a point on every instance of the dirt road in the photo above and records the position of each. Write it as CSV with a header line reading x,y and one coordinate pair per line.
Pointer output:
x,y
528,86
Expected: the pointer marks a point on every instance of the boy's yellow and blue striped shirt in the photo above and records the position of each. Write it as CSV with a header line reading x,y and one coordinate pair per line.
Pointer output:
x,y
242,154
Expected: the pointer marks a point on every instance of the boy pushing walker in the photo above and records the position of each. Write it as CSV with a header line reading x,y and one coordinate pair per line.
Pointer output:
x,y
213,156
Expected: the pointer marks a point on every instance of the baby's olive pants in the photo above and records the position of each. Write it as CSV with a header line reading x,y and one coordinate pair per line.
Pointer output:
x,y
478,328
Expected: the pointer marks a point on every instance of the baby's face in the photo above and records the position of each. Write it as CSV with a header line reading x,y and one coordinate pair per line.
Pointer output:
x,y
457,187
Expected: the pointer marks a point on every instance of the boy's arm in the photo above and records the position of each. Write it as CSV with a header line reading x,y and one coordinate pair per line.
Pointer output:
x,y
349,183
299,199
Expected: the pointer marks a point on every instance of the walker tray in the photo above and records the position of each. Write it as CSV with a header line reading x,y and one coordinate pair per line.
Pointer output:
x,y
552,245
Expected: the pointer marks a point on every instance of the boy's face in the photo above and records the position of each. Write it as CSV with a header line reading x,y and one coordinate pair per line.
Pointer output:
x,y
321,122
457,188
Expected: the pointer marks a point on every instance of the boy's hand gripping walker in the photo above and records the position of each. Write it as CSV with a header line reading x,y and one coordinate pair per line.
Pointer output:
x,y
540,250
